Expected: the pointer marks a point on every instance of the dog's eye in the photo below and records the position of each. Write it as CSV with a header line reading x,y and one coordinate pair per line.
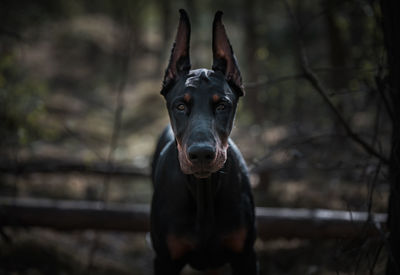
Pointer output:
x,y
220,107
181,107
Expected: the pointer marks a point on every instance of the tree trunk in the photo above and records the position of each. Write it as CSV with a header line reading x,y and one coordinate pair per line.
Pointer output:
x,y
338,50
391,26
166,26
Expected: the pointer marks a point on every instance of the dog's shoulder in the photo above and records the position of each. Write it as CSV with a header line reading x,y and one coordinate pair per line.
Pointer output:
x,y
235,155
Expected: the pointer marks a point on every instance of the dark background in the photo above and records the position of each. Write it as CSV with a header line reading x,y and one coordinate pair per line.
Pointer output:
x,y
80,82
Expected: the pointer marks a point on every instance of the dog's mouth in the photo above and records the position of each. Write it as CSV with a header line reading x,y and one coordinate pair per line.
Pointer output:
x,y
200,171
205,172
202,174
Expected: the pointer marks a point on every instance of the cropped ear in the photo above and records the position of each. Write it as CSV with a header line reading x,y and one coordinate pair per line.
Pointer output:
x,y
179,62
224,58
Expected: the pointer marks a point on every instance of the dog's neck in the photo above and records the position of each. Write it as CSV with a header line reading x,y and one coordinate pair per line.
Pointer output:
x,y
204,192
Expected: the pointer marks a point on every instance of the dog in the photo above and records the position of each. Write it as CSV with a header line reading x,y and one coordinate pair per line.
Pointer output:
x,y
202,210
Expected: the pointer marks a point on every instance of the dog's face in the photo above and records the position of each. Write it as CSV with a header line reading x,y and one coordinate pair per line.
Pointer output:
x,y
202,103
202,107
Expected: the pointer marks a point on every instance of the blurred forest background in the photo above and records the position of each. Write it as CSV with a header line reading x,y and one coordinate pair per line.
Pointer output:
x,y
79,96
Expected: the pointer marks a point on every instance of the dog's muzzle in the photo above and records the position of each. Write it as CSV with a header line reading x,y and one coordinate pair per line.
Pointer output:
x,y
201,159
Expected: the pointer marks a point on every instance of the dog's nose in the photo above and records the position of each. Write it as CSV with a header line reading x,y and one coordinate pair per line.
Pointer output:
x,y
201,153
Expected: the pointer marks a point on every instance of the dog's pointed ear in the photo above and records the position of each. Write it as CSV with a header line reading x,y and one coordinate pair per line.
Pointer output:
x,y
179,62
224,58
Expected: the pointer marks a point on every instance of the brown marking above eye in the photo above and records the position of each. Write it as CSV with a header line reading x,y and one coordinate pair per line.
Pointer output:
x,y
216,98
186,97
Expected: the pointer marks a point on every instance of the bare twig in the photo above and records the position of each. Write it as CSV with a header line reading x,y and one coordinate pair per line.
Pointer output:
x,y
83,141
255,164
375,259
118,111
311,20
381,82
340,69
273,81
315,82
371,187
125,60
381,87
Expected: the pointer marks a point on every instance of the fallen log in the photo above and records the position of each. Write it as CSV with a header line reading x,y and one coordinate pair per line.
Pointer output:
x,y
271,222
318,223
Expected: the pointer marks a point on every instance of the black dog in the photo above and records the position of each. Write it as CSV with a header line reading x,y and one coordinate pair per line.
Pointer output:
x,y
202,209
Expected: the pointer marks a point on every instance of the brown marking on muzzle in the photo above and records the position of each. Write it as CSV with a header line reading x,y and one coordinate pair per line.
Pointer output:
x,y
184,161
221,153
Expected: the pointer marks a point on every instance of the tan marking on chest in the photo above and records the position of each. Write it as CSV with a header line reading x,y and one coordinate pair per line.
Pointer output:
x,y
179,246
235,240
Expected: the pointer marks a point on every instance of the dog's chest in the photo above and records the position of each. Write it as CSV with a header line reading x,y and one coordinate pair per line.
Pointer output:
x,y
206,249
210,233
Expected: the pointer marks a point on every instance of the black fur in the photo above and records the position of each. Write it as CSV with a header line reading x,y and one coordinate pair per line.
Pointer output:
x,y
202,208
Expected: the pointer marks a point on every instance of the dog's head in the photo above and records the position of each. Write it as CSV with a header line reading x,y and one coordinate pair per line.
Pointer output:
x,y
202,103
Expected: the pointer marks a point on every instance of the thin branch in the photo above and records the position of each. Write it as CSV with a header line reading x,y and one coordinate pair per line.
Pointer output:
x,y
125,60
371,188
313,18
315,82
256,163
381,87
124,55
118,111
83,141
380,80
284,78
375,259
273,81
341,69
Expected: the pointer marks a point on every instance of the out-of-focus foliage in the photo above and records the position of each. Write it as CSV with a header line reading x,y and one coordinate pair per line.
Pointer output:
x,y
22,107
68,67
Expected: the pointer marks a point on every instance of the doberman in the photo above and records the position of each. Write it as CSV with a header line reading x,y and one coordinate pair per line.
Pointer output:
x,y
202,210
